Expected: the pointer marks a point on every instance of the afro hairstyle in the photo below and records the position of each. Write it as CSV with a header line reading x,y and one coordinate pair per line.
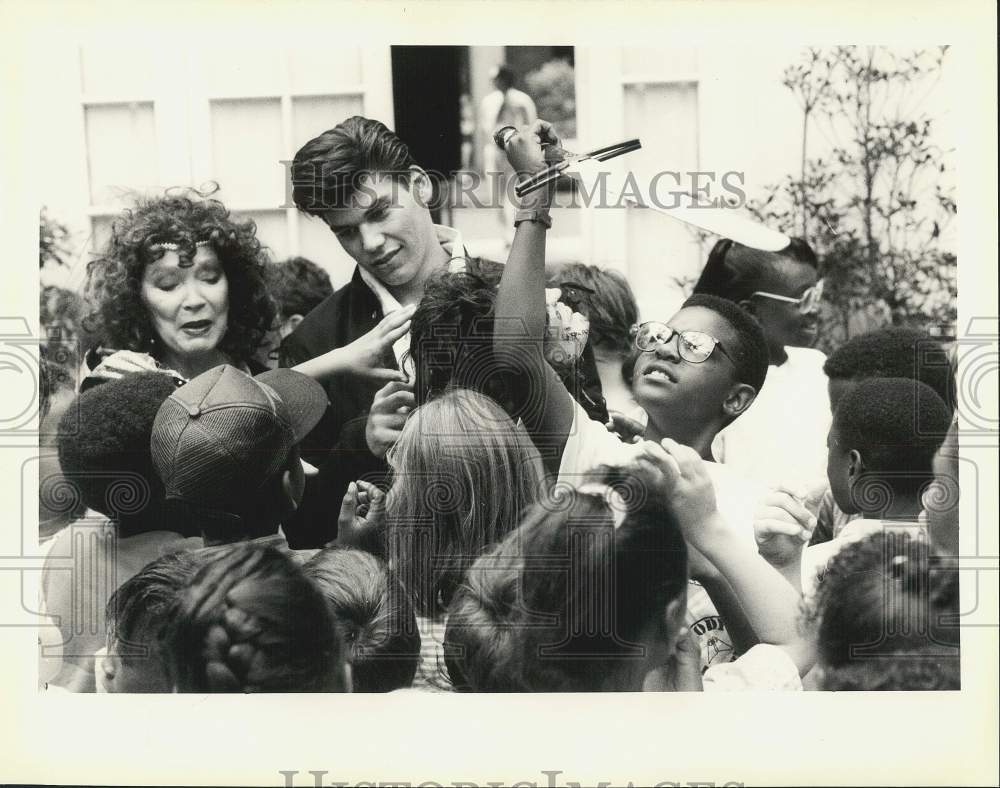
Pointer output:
x,y
895,352
896,424
884,615
104,447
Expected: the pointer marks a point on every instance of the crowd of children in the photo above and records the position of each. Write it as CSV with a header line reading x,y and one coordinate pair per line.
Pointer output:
x,y
459,475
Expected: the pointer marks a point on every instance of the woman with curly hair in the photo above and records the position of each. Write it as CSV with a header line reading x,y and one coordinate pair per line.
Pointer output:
x,y
181,287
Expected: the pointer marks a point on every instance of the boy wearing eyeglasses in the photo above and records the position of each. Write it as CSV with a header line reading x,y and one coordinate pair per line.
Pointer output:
x,y
693,374
781,441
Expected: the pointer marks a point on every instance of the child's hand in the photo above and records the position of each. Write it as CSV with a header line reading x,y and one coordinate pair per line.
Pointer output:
x,y
782,527
361,512
625,428
687,486
125,362
362,356
388,414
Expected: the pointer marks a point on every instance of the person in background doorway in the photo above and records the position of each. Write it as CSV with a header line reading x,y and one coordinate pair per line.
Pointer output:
x,y
504,106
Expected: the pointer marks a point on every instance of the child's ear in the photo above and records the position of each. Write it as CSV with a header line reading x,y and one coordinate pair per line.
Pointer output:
x,y
293,487
109,669
739,398
675,612
855,465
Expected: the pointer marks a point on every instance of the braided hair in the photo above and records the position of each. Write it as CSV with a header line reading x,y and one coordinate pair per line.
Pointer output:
x,y
251,621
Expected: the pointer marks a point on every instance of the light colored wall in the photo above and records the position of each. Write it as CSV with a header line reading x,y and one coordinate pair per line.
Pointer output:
x,y
715,109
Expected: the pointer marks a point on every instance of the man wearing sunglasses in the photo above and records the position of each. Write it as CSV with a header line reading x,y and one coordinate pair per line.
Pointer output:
x,y
694,374
782,439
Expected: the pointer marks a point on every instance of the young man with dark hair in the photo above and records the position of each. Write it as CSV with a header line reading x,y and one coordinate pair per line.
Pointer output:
x,y
693,375
361,180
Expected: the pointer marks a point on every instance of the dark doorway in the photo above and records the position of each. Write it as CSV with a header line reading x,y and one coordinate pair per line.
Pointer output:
x,y
426,85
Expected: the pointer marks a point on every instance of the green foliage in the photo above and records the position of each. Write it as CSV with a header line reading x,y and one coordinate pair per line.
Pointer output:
x,y
875,209
553,89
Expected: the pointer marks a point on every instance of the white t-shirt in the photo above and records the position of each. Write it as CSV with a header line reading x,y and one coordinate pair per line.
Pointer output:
x,y
764,667
781,439
590,444
816,557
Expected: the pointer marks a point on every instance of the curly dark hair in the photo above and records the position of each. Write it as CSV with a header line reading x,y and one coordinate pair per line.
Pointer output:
x,y
114,280
897,424
104,448
885,615
297,285
895,352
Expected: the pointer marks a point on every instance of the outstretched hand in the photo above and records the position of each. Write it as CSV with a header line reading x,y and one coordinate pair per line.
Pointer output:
x,y
125,362
389,411
363,356
782,527
679,475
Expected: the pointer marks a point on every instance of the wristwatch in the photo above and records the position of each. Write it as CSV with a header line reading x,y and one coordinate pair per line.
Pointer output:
x,y
540,215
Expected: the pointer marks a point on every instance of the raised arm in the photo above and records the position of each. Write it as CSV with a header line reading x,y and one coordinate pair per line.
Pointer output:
x,y
519,328
771,604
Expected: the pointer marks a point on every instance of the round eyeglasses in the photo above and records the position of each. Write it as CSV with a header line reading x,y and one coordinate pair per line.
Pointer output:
x,y
692,346
808,302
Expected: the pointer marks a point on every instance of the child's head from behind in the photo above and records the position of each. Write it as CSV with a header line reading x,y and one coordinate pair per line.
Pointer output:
x,y
570,602
609,304
895,352
881,445
104,448
226,447
463,473
885,617
374,615
137,614
252,621
715,390
451,336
